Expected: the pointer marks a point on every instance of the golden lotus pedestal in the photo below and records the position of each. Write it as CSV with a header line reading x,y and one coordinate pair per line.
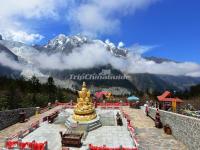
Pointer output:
x,y
83,116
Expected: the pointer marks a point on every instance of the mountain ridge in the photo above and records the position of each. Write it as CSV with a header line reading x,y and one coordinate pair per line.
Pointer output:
x,y
24,54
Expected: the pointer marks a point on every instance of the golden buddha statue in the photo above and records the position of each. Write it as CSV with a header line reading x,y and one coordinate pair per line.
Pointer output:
x,y
109,96
84,109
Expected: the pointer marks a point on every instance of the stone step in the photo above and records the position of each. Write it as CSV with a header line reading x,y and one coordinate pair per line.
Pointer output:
x,y
95,127
67,123
84,127
94,124
90,126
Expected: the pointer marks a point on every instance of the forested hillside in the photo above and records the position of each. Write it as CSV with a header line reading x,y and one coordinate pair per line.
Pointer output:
x,y
15,93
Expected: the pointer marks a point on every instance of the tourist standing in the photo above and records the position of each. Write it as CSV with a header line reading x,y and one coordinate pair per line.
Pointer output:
x,y
158,123
147,110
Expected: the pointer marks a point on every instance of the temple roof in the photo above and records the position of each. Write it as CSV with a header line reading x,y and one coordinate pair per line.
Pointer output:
x,y
167,97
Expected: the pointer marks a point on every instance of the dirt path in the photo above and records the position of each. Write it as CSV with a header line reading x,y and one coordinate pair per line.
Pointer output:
x,y
149,137
14,129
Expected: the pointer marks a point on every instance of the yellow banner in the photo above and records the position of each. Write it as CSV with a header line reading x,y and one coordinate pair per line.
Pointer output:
x,y
174,105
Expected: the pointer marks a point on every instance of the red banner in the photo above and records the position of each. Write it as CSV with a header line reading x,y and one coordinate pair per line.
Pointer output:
x,y
22,145
92,147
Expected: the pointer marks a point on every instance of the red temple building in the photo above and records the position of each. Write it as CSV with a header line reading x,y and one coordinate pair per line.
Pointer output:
x,y
165,100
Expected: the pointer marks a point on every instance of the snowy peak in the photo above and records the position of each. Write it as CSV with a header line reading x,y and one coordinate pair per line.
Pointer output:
x,y
8,53
62,40
66,44
118,51
21,50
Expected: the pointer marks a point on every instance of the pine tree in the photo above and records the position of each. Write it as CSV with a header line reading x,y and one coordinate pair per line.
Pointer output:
x,y
35,88
51,89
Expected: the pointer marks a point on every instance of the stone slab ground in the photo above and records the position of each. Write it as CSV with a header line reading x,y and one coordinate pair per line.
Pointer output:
x,y
149,137
14,129
47,132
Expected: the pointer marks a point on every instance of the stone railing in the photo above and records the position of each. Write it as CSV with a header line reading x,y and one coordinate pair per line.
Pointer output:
x,y
10,117
184,128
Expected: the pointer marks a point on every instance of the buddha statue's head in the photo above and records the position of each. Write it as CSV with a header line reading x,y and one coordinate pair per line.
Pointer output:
x,y
84,91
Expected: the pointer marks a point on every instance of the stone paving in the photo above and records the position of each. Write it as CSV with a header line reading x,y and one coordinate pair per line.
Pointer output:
x,y
111,136
22,126
149,137
47,132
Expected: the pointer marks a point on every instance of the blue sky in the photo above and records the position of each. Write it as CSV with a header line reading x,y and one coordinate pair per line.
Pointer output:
x,y
172,26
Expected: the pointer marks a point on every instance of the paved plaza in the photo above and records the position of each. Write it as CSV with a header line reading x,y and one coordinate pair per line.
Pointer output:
x,y
111,136
47,132
149,137
14,129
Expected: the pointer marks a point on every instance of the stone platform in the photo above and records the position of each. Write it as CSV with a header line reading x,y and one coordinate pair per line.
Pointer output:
x,y
108,134
112,135
83,126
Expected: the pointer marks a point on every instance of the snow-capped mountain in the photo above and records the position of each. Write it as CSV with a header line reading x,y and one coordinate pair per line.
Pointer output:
x,y
5,70
116,51
24,52
28,56
66,44
24,55
8,53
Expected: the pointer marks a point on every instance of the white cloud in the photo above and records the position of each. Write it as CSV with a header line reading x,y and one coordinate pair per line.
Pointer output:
x,y
87,56
6,61
22,36
92,55
95,17
194,74
141,65
120,45
31,8
141,49
14,16
90,17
